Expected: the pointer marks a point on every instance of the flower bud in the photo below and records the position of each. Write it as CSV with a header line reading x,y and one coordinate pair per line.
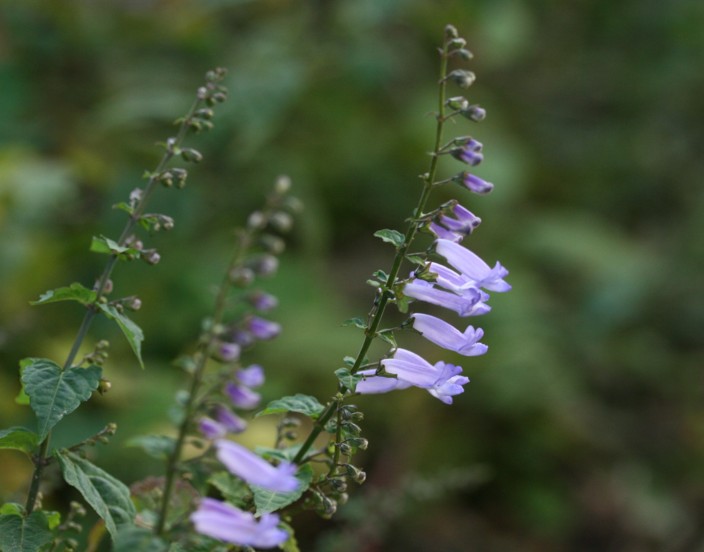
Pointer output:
x,y
355,474
273,244
457,102
465,54
474,113
192,155
282,185
241,276
150,256
282,221
462,78
338,484
264,265
104,386
451,31
256,220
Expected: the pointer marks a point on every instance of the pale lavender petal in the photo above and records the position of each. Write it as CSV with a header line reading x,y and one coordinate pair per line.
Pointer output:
x,y
372,384
211,429
251,376
472,266
255,470
411,367
445,389
263,329
447,336
241,396
224,522
231,421
229,352
444,233
468,304
263,301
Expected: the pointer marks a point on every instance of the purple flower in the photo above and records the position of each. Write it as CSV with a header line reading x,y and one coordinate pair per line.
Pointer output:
x,y
210,429
468,154
448,337
471,266
263,301
253,469
229,352
263,329
251,376
469,303
473,183
230,421
442,380
455,229
224,522
242,396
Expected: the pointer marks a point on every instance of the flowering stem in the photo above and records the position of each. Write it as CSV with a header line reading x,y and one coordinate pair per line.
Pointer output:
x,y
40,459
386,293
201,357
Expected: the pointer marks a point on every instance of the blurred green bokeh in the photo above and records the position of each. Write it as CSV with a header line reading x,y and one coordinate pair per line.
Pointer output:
x,y
582,429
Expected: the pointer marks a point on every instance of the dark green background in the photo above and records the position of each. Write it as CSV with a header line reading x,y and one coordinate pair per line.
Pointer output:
x,y
582,429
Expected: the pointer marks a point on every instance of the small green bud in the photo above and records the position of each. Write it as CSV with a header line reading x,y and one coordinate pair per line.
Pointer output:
x,y
282,221
150,256
345,449
256,220
465,54
457,42
282,185
273,244
192,155
462,78
451,31
241,276
104,386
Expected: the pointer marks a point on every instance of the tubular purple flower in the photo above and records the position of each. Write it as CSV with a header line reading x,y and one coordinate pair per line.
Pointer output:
x,y
263,301
441,380
467,155
465,222
241,396
251,376
253,469
263,329
210,429
470,303
444,233
230,421
228,352
471,266
224,522
473,183
448,337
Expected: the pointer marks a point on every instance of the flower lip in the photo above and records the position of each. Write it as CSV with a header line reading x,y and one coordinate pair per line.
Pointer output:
x,y
253,469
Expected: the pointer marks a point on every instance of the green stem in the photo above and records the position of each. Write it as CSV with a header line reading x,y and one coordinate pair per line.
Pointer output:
x,y
198,373
378,312
41,459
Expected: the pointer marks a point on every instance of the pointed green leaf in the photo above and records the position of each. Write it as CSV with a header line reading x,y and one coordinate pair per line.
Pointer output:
x,y
74,292
108,496
287,454
232,488
303,404
291,545
53,392
268,501
12,508
132,332
388,336
101,244
393,237
356,322
348,379
19,438
24,534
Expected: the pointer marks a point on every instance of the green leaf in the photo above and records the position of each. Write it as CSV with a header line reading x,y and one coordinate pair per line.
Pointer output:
x,y
54,392
156,446
74,292
24,534
388,336
381,275
391,236
348,379
108,496
416,259
268,501
53,518
356,322
19,438
138,539
232,488
101,244
287,454
122,206
132,332
303,404
12,508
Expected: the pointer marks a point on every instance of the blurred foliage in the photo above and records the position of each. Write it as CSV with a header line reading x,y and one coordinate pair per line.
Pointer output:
x,y
588,412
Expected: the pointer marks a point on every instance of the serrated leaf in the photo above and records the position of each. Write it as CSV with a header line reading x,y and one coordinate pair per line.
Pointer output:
x,y
109,497
12,508
131,331
393,237
303,404
348,379
356,322
24,534
74,292
416,259
232,488
101,244
54,393
138,539
156,446
19,438
268,501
